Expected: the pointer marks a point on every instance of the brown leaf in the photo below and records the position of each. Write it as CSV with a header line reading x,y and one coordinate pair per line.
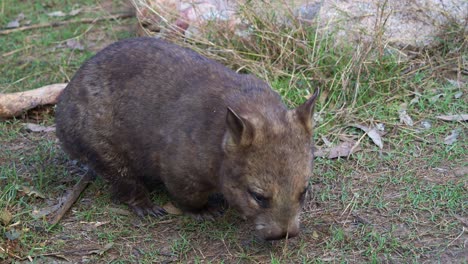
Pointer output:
x,y
102,250
405,118
434,98
171,209
39,213
74,44
5,217
344,149
452,138
15,23
32,192
460,172
75,12
373,134
315,235
460,117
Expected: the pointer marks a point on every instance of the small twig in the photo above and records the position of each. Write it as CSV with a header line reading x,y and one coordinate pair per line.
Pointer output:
x,y
16,51
461,219
73,196
451,242
61,23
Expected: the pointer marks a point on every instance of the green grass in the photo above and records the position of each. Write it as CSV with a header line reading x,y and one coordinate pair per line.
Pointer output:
x,y
399,204
40,57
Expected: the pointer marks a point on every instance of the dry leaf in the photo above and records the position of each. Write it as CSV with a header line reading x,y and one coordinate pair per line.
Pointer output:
x,y
56,14
452,138
405,118
453,82
95,224
426,124
20,16
317,118
380,127
326,141
32,192
103,250
436,97
12,234
460,172
415,100
460,117
39,213
30,127
5,217
171,209
344,149
315,234
74,44
75,12
373,133
13,24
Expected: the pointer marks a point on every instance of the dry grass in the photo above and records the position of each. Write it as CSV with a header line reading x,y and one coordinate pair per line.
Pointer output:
x,y
296,57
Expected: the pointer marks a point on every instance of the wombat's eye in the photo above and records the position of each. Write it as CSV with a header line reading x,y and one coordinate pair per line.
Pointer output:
x,y
260,199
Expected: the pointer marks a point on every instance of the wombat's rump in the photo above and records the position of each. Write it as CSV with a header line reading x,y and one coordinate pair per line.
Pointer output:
x,y
144,110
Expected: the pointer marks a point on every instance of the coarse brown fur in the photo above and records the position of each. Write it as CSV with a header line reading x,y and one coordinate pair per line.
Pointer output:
x,y
144,110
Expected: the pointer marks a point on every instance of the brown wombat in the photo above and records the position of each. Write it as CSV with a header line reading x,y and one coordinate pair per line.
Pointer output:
x,y
144,110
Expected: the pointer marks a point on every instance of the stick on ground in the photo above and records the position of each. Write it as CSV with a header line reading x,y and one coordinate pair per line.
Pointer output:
x,y
14,104
61,23
72,196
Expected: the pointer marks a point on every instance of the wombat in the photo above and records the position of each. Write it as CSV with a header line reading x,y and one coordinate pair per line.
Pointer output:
x,y
144,110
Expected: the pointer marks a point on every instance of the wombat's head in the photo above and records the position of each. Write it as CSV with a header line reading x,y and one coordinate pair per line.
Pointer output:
x,y
267,166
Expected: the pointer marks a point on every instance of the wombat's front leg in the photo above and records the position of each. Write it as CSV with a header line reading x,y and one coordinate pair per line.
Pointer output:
x,y
195,203
136,196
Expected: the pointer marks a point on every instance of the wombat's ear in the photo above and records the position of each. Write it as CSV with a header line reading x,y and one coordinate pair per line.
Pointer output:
x,y
239,130
305,112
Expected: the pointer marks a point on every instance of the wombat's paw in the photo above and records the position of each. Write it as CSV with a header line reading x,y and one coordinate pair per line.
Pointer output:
x,y
207,214
150,209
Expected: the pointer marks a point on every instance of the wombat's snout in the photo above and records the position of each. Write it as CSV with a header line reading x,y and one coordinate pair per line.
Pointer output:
x,y
276,232
282,235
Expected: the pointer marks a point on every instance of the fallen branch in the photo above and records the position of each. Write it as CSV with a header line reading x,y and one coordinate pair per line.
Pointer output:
x,y
73,196
61,23
14,104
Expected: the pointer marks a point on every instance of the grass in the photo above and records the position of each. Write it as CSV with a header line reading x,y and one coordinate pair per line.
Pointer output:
x,y
405,203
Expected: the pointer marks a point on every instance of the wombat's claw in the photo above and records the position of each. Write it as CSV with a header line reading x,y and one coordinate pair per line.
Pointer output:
x,y
208,214
154,211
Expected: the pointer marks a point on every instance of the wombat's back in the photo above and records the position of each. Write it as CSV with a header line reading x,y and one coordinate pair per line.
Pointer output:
x,y
147,85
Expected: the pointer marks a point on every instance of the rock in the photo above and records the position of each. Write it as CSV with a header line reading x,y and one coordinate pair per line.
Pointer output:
x,y
415,23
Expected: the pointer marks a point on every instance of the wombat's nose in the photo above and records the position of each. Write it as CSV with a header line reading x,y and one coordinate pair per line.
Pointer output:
x,y
290,234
